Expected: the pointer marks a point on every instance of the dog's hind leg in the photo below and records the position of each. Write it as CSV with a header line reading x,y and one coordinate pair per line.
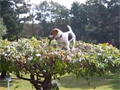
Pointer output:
x,y
68,45
73,43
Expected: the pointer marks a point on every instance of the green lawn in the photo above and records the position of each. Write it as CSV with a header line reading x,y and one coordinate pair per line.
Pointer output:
x,y
111,82
69,82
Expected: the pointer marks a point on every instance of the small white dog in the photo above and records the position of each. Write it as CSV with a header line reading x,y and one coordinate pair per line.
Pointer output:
x,y
63,37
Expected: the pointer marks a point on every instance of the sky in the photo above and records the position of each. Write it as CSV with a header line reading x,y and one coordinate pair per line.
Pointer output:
x,y
66,3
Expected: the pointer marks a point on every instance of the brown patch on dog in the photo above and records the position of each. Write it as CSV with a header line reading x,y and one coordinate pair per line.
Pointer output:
x,y
54,32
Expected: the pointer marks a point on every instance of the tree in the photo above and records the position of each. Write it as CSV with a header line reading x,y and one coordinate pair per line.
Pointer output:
x,y
96,21
10,11
50,15
2,28
114,20
6,64
78,19
97,16
103,25
43,64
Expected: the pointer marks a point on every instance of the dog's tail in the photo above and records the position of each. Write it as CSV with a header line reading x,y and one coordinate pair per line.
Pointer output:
x,y
70,29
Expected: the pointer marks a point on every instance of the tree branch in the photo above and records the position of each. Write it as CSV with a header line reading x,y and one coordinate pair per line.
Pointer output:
x,y
23,78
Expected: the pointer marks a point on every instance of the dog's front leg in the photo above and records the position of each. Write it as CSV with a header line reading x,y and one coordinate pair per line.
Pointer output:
x,y
68,45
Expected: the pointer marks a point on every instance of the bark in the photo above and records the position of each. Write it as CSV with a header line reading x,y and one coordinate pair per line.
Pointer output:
x,y
45,85
3,75
38,84
47,82
35,83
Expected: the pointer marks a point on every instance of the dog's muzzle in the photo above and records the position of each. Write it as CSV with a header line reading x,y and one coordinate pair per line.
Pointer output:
x,y
50,39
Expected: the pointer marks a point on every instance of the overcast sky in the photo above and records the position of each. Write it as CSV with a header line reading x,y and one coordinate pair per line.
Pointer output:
x,y
66,3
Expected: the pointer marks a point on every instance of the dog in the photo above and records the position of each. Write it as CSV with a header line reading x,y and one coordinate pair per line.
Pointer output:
x,y
63,37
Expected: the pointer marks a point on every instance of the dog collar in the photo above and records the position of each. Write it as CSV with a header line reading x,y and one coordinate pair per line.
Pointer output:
x,y
59,37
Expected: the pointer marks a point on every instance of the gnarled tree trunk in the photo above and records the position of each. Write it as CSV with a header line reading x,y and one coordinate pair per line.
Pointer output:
x,y
39,84
47,82
3,75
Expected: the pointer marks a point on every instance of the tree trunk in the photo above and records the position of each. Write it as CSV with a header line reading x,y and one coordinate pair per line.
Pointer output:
x,y
119,38
47,82
38,84
35,84
3,75
33,81
45,85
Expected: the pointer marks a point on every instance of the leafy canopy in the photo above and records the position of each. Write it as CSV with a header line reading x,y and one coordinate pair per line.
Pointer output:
x,y
87,59
38,60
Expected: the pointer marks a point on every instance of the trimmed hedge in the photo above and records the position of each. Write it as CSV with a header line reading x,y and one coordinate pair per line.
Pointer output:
x,y
36,57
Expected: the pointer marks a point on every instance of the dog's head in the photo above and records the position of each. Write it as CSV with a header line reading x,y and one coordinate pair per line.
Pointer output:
x,y
53,33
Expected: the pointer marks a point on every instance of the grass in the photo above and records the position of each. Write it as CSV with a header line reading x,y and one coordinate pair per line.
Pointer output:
x,y
111,82
69,82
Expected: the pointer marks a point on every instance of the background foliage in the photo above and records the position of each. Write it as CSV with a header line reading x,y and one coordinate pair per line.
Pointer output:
x,y
2,28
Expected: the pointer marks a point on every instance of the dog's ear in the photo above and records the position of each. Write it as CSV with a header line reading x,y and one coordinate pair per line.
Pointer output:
x,y
54,32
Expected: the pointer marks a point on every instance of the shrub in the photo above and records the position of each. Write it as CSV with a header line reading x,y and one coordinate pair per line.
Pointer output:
x,y
44,63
